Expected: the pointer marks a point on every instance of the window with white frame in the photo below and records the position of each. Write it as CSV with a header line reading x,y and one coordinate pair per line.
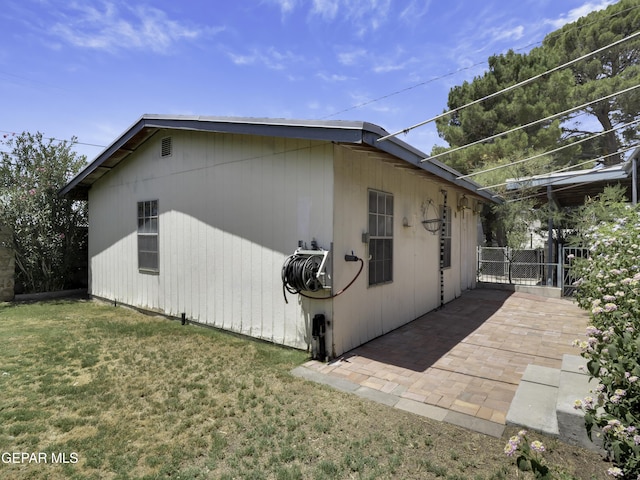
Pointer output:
x,y
380,237
445,239
148,236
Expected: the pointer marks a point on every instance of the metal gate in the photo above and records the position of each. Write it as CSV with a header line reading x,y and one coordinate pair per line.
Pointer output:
x,y
569,278
511,266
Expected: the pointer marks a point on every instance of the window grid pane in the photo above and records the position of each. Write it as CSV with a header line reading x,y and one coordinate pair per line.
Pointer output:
x,y
148,249
380,237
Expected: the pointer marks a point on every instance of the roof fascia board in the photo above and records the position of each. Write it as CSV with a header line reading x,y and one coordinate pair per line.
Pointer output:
x,y
284,130
338,132
415,157
350,132
106,153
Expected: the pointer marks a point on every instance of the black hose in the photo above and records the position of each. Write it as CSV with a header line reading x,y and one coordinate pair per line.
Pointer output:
x,y
299,273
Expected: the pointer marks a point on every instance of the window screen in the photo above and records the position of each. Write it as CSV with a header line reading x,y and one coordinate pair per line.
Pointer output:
x,y
148,235
380,237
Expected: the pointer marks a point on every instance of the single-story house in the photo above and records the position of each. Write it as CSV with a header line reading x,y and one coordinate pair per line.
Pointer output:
x,y
200,217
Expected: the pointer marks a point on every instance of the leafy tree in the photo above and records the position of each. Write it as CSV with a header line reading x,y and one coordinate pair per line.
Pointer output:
x,y
49,232
606,207
610,71
613,70
509,224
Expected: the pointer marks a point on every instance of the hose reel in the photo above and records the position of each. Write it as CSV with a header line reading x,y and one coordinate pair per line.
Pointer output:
x,y
305,271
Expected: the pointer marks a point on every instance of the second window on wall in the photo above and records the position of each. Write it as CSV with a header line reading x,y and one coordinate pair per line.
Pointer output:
x,y
445,233
380,237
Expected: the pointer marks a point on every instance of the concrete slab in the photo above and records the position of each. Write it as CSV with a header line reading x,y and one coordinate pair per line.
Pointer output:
x,y
377,396
542,375
335,382
573,363
534,407
474,423
422,409
574,386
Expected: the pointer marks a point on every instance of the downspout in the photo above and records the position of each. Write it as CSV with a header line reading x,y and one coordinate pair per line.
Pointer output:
x,y
443,231
634,180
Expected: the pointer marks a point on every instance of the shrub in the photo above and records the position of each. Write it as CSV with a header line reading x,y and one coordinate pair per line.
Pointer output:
x,y
49,231
609,288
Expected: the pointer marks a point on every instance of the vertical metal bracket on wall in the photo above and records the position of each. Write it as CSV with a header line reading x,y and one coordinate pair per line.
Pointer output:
x,y
443,230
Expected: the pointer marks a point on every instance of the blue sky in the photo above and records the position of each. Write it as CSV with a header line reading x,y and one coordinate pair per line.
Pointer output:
x,y
90,68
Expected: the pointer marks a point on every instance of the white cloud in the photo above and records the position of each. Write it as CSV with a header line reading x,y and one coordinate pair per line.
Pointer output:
x,y
286,6
111,28
242,60
578,12
269,57
393,62
414,12
327,9
333,78
387,67
351,56
364,15
515,33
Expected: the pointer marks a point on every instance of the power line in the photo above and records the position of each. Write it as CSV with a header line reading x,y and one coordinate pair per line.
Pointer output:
x,y
550,117
59,140
550,151
512,87
426,82
440,77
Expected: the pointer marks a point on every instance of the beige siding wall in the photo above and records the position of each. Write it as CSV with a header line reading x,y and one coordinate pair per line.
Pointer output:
x,y
363,313
231,209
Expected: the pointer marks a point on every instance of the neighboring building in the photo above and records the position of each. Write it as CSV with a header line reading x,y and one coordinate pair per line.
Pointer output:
x,y
197,215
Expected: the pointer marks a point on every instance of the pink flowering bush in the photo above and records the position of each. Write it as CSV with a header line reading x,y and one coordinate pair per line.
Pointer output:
x,y
528,455
609,287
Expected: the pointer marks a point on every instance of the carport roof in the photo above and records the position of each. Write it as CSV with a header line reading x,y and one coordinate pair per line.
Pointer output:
x,y
569,189
355,134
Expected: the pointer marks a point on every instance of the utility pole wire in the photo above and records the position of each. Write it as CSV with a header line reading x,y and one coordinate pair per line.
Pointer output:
x,y
570,174
549,152
439,77
493,137
504,90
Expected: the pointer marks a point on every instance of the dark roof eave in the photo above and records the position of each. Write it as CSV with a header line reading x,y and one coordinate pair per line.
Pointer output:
x,y
341,132
412,155
350,132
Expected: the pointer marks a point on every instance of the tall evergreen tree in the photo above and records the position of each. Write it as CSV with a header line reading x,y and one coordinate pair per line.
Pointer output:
x,y
613,70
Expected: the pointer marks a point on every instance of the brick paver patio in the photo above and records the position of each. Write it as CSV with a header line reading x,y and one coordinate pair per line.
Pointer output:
x,y
469,356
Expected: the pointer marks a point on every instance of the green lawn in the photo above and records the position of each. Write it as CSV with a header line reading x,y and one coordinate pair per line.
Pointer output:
x,y
93,391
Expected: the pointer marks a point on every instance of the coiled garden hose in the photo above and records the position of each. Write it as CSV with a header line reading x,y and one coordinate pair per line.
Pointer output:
x,y
299,274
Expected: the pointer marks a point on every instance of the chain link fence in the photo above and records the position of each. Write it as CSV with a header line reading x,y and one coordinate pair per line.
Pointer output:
x,y
513,266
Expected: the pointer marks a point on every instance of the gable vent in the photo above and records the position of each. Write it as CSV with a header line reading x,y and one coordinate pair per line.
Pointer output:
x,y
167,147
